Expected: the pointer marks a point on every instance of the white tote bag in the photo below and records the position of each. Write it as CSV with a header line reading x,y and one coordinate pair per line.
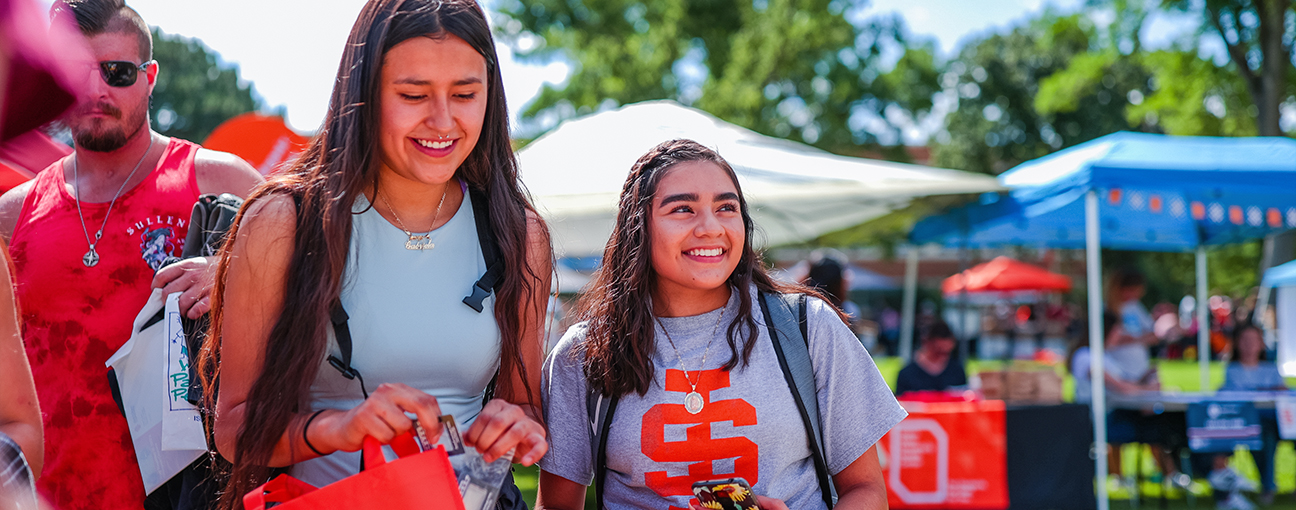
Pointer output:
x,y
153,374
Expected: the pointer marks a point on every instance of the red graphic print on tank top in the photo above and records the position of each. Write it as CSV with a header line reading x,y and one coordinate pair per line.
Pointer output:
x,y
699,448
75,317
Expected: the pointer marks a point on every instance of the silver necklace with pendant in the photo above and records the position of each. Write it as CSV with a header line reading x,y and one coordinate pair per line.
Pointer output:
x,y
91,258
693,401
417,241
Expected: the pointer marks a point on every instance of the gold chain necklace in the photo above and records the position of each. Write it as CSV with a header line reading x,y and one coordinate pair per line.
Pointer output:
x,y
417,241
91,258
693,402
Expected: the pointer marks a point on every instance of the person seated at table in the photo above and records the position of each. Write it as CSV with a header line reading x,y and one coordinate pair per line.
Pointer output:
x,y
1123,425
1114,374
934,368
1126,289
1251,370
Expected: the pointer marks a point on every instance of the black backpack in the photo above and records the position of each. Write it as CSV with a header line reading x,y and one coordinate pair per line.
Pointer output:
x,y
194,488
785,319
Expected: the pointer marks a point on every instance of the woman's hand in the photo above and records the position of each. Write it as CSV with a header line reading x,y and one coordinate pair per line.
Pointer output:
x,y
383,416
501,427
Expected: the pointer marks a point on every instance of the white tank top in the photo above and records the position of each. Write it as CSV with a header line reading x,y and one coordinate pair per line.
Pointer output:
x,y
409,325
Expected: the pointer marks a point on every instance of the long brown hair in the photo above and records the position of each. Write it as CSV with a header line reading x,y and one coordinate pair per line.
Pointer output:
x,y
338,165
619,340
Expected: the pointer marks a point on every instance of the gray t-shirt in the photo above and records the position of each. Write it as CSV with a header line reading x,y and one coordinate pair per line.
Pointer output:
x,y
749,427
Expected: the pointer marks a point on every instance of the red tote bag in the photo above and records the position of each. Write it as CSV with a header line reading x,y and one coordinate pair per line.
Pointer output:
x,y
416,481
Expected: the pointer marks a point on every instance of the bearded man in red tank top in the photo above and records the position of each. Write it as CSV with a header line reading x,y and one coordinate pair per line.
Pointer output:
x,y
87,236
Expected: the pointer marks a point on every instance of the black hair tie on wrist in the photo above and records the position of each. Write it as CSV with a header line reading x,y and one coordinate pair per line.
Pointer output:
x,y
307,439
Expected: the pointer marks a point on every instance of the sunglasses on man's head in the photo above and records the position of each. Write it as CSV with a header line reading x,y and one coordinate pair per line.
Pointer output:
x,y
121,73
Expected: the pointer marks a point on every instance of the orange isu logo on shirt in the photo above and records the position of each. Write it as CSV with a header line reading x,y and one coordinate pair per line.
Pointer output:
x,y
698,448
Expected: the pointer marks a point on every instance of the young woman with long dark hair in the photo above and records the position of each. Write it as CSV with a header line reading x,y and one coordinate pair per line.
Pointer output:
x,y
672,329
377,220
1250,369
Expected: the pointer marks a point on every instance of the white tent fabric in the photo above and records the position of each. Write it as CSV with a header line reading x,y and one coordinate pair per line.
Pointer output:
x,y
1283,332
796,192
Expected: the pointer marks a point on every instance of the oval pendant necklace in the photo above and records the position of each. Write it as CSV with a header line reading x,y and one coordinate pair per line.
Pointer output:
x,y
693,401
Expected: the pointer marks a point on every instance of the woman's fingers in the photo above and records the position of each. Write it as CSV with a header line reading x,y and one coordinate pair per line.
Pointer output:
x,y
383,416
502,427
514,438
429,415
533,447
770,503
492,422
378,427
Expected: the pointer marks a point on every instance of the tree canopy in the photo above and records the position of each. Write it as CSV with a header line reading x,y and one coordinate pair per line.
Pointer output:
x,y
194,92
813,71
1009,109
796,69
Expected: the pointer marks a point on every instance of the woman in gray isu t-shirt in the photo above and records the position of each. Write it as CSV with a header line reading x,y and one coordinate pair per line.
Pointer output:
x,y
673,329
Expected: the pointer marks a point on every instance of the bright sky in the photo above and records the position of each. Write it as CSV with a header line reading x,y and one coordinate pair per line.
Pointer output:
x,y
289,49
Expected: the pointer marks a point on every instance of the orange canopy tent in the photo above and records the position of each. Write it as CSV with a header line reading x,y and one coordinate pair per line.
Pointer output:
x,y
264,141
1005,276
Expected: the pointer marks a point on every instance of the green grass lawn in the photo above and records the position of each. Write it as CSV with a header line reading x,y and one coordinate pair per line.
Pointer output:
x,y
527,478
1175,376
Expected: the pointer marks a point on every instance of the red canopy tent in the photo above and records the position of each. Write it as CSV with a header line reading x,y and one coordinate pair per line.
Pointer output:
x,y
1006,277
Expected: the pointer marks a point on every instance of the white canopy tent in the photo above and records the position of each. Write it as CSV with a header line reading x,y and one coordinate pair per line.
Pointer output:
x,y
796,192
1283,330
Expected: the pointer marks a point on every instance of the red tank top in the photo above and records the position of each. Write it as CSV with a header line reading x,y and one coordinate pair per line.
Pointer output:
x,y
74,317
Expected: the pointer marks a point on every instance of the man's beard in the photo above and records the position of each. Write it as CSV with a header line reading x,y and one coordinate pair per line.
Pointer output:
x,y
109,139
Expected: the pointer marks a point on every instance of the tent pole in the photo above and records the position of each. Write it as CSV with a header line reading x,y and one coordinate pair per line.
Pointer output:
x,y
908,309
1093,261
1258,316
1203,325
963,303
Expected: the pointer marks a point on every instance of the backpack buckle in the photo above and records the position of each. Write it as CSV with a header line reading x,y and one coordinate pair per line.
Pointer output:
x,y
477,298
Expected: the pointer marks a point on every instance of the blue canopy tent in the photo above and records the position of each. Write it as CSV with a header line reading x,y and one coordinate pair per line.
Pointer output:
x,y
1130,191
1280,276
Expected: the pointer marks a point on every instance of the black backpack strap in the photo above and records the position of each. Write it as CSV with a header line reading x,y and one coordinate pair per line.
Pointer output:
x,y
785,319
342,333
599,408
490,281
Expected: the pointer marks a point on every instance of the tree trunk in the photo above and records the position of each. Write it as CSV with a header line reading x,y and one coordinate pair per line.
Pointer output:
x,y
1273,68
1278,248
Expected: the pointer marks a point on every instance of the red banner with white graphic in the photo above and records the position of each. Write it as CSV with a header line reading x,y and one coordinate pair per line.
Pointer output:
x,y
947,455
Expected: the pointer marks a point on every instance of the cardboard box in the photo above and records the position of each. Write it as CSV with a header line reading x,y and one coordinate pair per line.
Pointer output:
x,y
1022,386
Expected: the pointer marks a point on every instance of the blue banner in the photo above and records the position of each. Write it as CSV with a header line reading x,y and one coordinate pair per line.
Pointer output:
x,y
1221,427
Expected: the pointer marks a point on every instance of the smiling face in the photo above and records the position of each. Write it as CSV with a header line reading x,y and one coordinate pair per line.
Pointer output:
x,y
696,227
106,117
432,102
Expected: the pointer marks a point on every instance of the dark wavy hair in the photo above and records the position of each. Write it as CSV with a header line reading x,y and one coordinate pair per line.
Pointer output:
x,y
340,162
619,341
